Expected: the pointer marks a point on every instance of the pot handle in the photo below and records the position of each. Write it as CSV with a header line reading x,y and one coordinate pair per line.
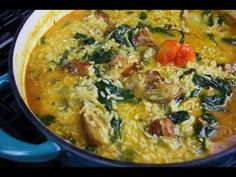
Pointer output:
x,y
16,150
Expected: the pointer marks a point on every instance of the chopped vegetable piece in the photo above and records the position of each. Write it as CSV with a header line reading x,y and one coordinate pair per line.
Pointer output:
x,y
209,118
172,51
100,56
143,15
116,125
78,67
179,116
229,41
64,58
47,119
90,148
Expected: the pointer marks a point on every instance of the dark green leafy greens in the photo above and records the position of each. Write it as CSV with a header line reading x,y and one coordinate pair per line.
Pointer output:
x,y
198,56
143,15
116,125
160,30
230,41
85,39
213,102
64,58
179,116
90,148
211,37
124,35
101,56
104,86
47,119
203,131
42,40
209,118
195,92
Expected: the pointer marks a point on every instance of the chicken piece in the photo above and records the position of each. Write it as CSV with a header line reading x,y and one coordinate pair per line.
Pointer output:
x,y
103,15
78,67
94,126
151,86
143,38
162,127
123,66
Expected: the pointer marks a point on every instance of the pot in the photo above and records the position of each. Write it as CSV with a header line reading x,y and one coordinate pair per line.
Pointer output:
x,y
55,147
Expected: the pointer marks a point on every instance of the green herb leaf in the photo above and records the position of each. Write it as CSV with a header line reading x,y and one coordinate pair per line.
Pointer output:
x,y
179,116
209,118
230,41
90,148
116,125
143,15
195,92
160,30
211,37
47,119
64,58
101,56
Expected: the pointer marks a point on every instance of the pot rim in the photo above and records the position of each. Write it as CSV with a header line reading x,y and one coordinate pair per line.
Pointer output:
x,y
84,154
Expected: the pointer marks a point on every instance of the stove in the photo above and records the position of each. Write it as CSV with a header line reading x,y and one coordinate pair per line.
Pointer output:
x,y
12,119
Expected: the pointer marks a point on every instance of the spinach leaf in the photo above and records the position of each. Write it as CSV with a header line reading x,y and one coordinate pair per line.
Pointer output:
x,y
195,92
47,119
179,116
64,58
143,15
211,37
198,56
203,131
119,94
84,38
160,30
42,40
179,99
229,41
220,20
217,83
208,15
90,148
214,102
101,56
79,36
209,118
119,35
116,125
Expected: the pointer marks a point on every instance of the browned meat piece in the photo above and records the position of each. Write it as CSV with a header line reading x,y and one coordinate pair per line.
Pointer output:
x,y
157,90
94,128
123,66
153,79
233,67
162,127
143,38
103,15
78,67
129,70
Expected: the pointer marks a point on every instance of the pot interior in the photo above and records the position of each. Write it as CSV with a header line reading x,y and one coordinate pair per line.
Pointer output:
x,y
35,26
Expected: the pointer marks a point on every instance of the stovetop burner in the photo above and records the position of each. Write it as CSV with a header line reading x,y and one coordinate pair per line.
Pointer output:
x,y
12,119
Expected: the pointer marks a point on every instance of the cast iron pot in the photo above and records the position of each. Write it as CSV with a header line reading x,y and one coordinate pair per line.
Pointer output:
x,y
54,147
